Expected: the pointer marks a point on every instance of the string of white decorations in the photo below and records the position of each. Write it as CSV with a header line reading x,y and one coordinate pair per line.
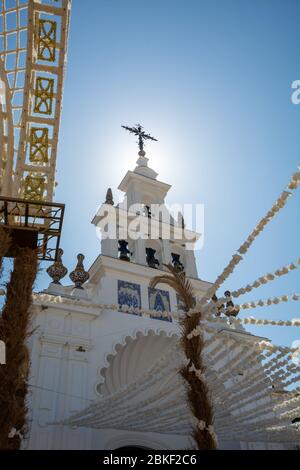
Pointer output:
x,y
234,365
212,307
261,344
266,343
263,322
155,373
233,370
291,402
161,420
291,381
294,413
123,401
272,349
248,426
234,405
143,411
251,377
242,388
244,418
129,392
278,364
237,391
267,347
269,277
237,258
269,302
231,346
164,420
266,403
295,180
212,319
256,386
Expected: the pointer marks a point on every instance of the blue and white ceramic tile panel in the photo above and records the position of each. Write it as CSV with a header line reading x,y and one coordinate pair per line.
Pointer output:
x,y
180,304
129,294
159,300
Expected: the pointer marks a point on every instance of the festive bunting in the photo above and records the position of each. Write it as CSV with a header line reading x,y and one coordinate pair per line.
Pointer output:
x,y
236,259
268,302
266,279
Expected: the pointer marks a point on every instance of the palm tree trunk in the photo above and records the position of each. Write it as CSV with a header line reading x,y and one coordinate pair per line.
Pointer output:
x,y
196,388
193,372
14,331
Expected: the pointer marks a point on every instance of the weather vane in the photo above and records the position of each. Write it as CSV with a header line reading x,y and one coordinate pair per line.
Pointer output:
x,y
138,130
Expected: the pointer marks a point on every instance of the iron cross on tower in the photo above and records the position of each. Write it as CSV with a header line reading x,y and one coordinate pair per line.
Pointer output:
x,y
138,130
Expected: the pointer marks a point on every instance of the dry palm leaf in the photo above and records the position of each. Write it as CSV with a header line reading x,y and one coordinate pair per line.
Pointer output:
x,y
193,372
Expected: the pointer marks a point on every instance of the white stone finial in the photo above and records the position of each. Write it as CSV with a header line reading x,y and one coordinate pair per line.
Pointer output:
x,y
142,160
142,166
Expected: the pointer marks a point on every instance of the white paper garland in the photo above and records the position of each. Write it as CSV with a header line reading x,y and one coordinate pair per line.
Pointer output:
x,y
264,322
269,277
236,258
269,302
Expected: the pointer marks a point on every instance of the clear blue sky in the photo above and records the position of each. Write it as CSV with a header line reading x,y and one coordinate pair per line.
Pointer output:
x,y
211,79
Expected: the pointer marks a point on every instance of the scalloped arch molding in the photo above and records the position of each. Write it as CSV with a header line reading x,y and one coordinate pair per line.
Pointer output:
x,y
133,356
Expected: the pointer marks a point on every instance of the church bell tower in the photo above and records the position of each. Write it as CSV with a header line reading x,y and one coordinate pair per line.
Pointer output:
x,y
140,229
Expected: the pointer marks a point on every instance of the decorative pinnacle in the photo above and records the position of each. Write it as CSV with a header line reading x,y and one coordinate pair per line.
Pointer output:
x,y
79,276
57,270
142,136
109,197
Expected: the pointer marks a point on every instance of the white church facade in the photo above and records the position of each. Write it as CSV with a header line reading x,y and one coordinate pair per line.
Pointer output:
x,y
100,354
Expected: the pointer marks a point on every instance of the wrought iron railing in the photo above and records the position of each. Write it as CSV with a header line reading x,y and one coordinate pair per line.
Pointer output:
x,y
37,223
